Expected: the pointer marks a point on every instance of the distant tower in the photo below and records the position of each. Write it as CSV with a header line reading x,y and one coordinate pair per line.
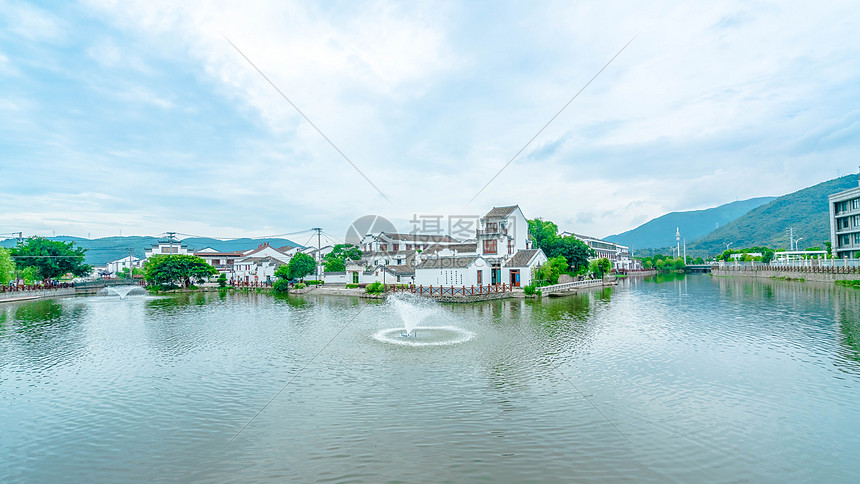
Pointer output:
x,y
678,240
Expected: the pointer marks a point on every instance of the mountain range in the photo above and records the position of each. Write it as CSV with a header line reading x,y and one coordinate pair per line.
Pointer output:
x,y
763,221
693,224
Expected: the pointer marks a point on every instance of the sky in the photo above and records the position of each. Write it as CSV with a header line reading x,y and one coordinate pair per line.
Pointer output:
x,y
138,118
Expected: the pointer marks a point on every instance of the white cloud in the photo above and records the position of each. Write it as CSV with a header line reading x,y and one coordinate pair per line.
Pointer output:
x,y
431,100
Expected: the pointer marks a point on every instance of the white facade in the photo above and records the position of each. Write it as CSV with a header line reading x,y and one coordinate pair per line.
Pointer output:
x,y
518,270
119,265
397,242
259,265
467,270
504,231
166,247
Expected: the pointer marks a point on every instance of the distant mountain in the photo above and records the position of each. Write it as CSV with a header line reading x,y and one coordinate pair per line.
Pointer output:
x,y
806,210
107,249
660,232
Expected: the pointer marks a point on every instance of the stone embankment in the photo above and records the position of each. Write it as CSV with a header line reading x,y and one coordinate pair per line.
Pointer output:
x,y
36,294
812,274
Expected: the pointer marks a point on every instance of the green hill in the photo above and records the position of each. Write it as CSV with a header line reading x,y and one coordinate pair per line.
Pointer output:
x,y
660,232
806,210
107,249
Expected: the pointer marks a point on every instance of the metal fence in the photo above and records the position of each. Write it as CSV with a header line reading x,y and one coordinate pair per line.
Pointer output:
x,y
449,290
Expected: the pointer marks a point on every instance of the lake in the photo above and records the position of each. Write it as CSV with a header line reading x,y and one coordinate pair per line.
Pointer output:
x,y
668,378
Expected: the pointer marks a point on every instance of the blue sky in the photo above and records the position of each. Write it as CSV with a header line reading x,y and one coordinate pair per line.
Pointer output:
x,y
139,118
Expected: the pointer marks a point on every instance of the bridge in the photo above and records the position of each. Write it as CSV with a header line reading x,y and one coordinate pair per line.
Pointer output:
x,y
697,269
567,287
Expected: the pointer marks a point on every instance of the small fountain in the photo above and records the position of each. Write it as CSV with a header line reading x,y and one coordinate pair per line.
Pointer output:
x,y
413,311
121,291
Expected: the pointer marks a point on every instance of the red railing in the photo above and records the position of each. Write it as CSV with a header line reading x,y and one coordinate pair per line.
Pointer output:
x,y
34,287
449,290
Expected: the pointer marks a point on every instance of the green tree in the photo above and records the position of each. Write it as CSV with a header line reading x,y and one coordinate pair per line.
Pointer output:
x,y
334,265
543,233
29,274
343,252
51,259
576,252
600,267
301,265
7,267
551,269
222,280
176,269
335,261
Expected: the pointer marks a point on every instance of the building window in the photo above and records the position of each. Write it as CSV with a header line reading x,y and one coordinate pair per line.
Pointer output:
x,y
383,247
844,240
492,227
510,247
396,247
857,238
480,277
490,247
855,204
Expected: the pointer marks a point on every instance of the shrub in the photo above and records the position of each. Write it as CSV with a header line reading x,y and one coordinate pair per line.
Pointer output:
x,y
192,287
281,286
374,288
352,286
300,285
222,280
308,283
529,290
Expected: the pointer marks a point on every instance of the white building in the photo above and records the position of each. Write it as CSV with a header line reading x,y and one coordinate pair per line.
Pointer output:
x,y
396,242
519,269
444,270
119,265
501,254
222,261
618,255
167,247
259,265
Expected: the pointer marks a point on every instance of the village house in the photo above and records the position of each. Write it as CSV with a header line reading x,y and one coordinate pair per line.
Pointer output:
x,y
396,242
259,265
117,266
501,254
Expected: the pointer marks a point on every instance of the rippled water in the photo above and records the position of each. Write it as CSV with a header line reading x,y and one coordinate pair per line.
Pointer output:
x,y
672,379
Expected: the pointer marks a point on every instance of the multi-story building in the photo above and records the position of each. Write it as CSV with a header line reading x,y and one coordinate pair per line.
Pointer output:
x,y
845,223
619,255
501,254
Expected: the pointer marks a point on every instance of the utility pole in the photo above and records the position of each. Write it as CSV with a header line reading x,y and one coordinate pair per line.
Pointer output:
x,y
130,265
319,249
791,238
170,239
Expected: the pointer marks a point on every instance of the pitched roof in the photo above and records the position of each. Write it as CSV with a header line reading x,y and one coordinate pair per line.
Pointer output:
x,y
401,270
419,237
499,212
456,247
522,258
456,262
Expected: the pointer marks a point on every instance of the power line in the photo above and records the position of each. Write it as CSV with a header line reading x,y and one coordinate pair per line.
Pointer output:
x,y
550,121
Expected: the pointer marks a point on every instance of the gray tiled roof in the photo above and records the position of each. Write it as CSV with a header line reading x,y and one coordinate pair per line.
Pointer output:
x,y
448,262
458,247
522,258
401,270
420,237
498,212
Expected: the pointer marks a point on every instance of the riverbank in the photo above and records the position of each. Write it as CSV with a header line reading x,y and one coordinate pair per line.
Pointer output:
x,y
39,294
785,274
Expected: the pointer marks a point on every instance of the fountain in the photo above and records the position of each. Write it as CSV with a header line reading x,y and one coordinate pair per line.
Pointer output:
x,y
414,311
121,291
